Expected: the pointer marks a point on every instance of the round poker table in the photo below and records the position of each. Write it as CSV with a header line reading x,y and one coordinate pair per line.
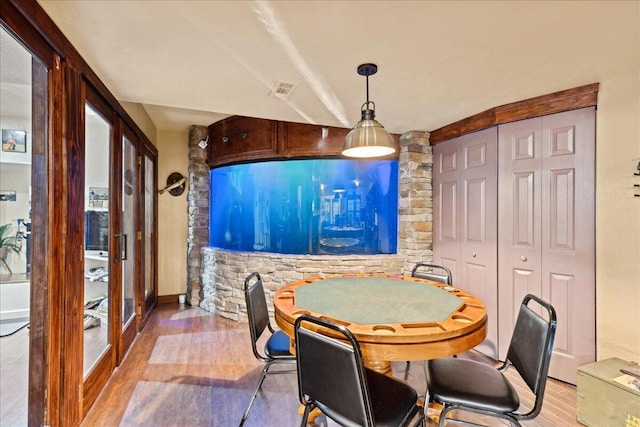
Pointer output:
x,y
394,318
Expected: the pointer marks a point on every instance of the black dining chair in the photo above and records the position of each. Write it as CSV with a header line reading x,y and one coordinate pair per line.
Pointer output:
x,y
332,378
467,385
276,348
435,272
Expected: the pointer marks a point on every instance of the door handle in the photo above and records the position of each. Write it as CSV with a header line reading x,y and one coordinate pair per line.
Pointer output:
x,y
523,258
121,254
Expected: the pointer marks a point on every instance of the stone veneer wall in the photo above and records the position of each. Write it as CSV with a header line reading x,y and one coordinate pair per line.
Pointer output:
x,y
198,206
222,272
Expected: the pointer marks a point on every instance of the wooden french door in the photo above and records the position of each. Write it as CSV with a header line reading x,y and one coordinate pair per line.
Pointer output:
x,y
111,250
127,238
148,294
546,229
465,206
98,289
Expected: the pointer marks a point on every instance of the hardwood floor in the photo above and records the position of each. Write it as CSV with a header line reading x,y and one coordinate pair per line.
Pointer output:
x,y
189,367
14,377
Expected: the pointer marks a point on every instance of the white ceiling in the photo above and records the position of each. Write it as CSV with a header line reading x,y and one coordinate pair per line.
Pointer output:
x,y
194,62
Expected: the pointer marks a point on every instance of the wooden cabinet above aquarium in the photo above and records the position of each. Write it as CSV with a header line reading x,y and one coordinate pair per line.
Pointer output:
x,y
243,139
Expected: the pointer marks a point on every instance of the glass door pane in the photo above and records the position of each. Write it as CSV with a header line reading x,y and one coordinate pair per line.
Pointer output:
x,y
23,123
149,227
96,257
128,226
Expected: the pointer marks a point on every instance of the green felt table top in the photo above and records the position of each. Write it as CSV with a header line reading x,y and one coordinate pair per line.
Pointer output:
x,y
377,300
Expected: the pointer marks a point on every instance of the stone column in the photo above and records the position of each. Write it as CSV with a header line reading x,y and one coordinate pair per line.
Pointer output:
x,y
415,207
198,206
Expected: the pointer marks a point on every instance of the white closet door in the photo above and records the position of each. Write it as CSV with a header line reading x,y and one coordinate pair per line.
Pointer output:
x,y
546,230
519,219
478,225
568,239
465,204
446,187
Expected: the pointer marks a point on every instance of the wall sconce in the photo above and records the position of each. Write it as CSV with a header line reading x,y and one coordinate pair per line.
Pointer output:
x,y
176,183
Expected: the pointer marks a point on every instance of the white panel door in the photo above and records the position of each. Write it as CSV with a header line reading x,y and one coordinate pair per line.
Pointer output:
x,y
446,187
478,243
568,238
547,232
465,206
519,219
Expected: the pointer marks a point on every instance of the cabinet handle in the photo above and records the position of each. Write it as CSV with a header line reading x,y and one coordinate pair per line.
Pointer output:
x,y
473,254
523,258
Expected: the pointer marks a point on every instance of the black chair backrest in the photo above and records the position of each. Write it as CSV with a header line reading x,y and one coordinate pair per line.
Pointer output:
x,y
441,277
257,309
532,344
331,372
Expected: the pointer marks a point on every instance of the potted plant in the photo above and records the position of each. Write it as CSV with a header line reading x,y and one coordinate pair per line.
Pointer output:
x,y
8,242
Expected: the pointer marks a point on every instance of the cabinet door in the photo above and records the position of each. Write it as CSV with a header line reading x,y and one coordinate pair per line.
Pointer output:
x,y
546,233
242,138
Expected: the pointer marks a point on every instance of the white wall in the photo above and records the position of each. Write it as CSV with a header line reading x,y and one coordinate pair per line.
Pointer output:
x,y
618,219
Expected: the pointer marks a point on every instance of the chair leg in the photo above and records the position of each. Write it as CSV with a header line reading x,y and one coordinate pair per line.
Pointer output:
x,y
305,416
255,393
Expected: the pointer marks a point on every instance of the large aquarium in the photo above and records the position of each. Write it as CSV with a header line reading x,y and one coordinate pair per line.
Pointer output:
x,y
319,206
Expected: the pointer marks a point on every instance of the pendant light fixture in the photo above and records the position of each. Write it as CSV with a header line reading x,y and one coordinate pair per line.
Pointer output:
x,y
368,138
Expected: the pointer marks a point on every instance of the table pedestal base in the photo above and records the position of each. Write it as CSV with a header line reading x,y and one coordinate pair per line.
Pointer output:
x,y
384,367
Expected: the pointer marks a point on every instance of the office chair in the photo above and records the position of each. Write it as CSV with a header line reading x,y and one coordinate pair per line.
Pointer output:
x,y
480,388
432,274
276,349
332,377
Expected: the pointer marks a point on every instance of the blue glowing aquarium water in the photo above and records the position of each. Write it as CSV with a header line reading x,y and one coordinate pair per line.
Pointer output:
x,y
319,206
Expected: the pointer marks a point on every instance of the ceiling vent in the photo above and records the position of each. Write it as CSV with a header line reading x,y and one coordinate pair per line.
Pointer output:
x,y
283,90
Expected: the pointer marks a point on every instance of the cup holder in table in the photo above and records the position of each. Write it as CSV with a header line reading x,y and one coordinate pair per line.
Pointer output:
x,y
384,329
